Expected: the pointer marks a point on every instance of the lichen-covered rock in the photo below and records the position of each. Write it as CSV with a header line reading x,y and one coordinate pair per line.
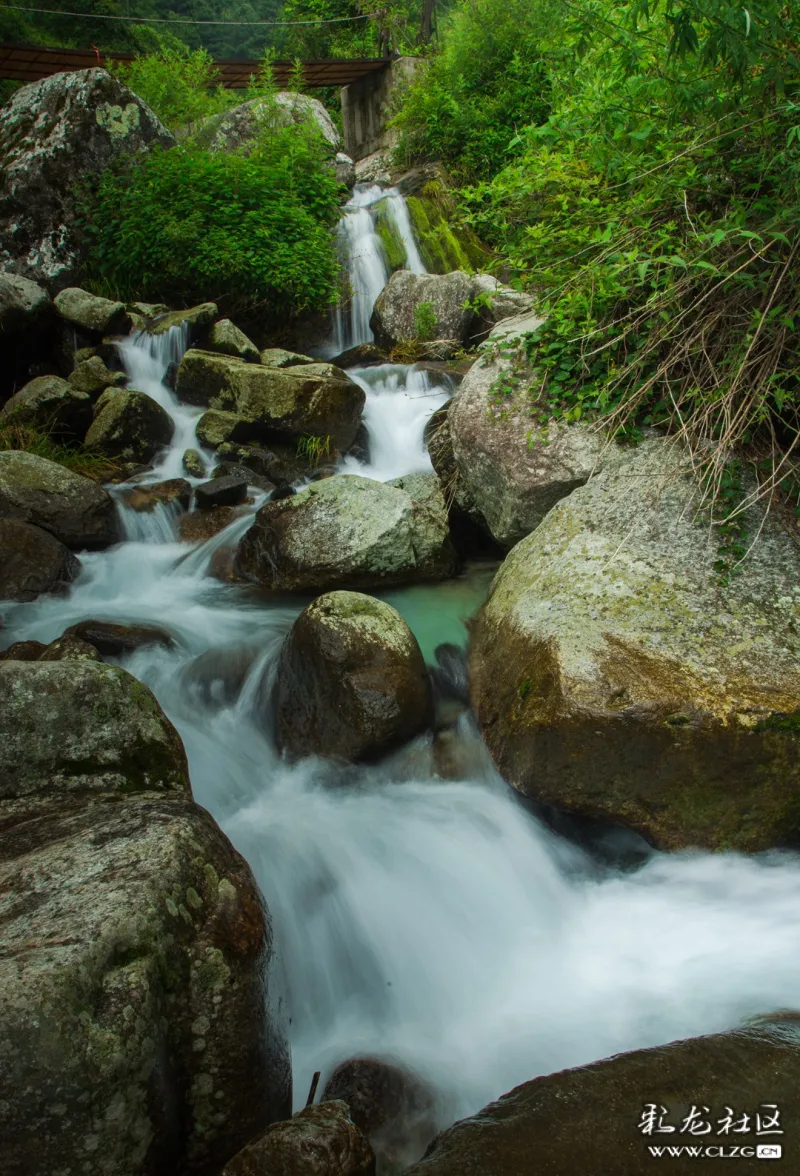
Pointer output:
x,y
33,561
93,377
23,305
226,338
615,675
131,425
69,648
586,1120
456,306
239,128
76,510
54,134
321,1140
279,357
390,1104
215,428
193,464
351,681
52,405
288,404
512,469
346,532
90,312
194,320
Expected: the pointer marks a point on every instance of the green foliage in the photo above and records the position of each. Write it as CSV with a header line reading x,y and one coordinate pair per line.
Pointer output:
x,y
247,230
314,450
180,86
14,434
424,322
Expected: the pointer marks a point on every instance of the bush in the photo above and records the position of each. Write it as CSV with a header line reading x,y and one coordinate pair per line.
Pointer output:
x,y
180,86
246,230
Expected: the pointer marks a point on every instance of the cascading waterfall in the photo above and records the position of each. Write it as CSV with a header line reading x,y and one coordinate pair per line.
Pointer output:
x,y
435,922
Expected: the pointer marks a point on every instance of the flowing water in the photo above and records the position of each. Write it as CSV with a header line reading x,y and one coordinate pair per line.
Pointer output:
x,y
432,921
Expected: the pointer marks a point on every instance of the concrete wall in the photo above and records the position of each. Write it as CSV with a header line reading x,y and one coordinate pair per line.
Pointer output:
x,y
367,107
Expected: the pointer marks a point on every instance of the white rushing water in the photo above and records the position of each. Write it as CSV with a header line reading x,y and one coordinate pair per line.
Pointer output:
x,y
430,921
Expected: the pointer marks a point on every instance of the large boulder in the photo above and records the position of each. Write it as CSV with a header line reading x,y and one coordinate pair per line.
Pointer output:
x,y
130,425
23,305
457,306
320,1140
52,405
54,135
346,532
276,402
590,1119
92,313
33,562
351,681
511,467
618,673
239,128
76,510
137,1038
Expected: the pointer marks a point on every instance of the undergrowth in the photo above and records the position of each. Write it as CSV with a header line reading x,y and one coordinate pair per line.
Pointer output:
x,y
87,462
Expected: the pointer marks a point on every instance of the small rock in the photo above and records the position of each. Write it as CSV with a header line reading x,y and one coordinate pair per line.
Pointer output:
x,y
321,1140
147,498
345,169
216,677
217,428
201,525
359,356
33,562
228,469
230,490
68,648
228,339
193,463
27,651
93,377
91,312
112,640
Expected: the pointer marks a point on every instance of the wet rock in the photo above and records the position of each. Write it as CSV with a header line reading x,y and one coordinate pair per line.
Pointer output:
x,y
351,680
132,426
512,468
92,313
278,357
375,168
216,677
23,651
147,498
55,135
33,562
586,1119
76,510
229,469
226,338
346,532
441,306
392,1106
193,463
321,1140
52,405
468,528
113,640
227,491
345,169
93,377
360,356
195,320
23,305
217,428
69,649
289,404
616,675
200,525
360,449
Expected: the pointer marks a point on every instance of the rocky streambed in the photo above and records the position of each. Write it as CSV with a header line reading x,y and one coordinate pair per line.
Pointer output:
x,y
269,809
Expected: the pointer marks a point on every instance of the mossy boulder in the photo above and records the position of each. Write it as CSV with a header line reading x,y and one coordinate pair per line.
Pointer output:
x,y
351,682
586,1120
93,377
194,321
617,673
346,532
54,136
226,338
275,402
100,316
443,245
76,510
33,562
51,405
131,425
279,357
193,464
215,428
320,1140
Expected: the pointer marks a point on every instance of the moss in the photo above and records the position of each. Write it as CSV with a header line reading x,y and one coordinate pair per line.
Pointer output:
x,y
393,247
442,247
780,722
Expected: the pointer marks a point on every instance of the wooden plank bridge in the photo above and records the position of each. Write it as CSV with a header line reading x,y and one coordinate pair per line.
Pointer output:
x,y
29,63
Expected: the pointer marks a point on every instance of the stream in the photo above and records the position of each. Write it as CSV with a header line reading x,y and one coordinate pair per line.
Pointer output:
x,y
435,922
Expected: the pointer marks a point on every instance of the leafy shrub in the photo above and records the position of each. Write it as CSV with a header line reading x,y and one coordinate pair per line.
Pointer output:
x,y
424,322
180,86
186,225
